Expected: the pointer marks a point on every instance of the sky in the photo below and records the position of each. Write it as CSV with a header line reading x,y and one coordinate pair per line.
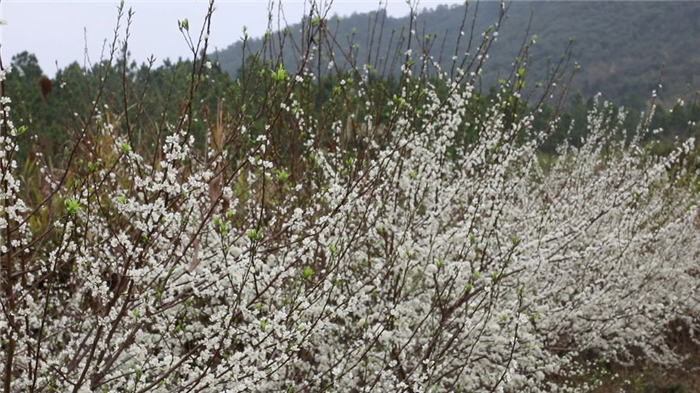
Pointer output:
x,y
58,32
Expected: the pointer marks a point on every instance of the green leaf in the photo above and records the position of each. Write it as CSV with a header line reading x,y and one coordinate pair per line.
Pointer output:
x,y
72,206
282,175
280,75
252,234
184,24
516,240
307,272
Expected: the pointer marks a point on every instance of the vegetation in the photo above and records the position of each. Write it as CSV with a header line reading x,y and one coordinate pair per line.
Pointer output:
x,y
622,74
323,227
621,46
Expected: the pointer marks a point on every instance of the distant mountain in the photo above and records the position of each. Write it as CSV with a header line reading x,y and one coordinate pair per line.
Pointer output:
x,y
620,45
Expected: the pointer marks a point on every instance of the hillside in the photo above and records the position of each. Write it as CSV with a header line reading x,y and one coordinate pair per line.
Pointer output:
x,y
621,46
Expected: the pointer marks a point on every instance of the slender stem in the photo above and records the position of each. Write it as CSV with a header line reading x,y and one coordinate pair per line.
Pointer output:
x,y
7,243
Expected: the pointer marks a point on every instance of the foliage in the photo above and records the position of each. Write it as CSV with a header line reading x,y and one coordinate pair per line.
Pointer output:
x,y
349,238
622,47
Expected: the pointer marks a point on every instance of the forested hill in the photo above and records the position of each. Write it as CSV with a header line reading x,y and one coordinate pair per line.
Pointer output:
x,y
621,46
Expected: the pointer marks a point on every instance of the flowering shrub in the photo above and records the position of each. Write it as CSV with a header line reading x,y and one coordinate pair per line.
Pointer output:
x,y
415,264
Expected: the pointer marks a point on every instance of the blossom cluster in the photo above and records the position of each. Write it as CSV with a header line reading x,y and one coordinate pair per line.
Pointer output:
x,y
423,265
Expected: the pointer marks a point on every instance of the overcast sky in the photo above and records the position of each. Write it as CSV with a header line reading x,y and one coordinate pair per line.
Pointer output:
x,y
54,30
